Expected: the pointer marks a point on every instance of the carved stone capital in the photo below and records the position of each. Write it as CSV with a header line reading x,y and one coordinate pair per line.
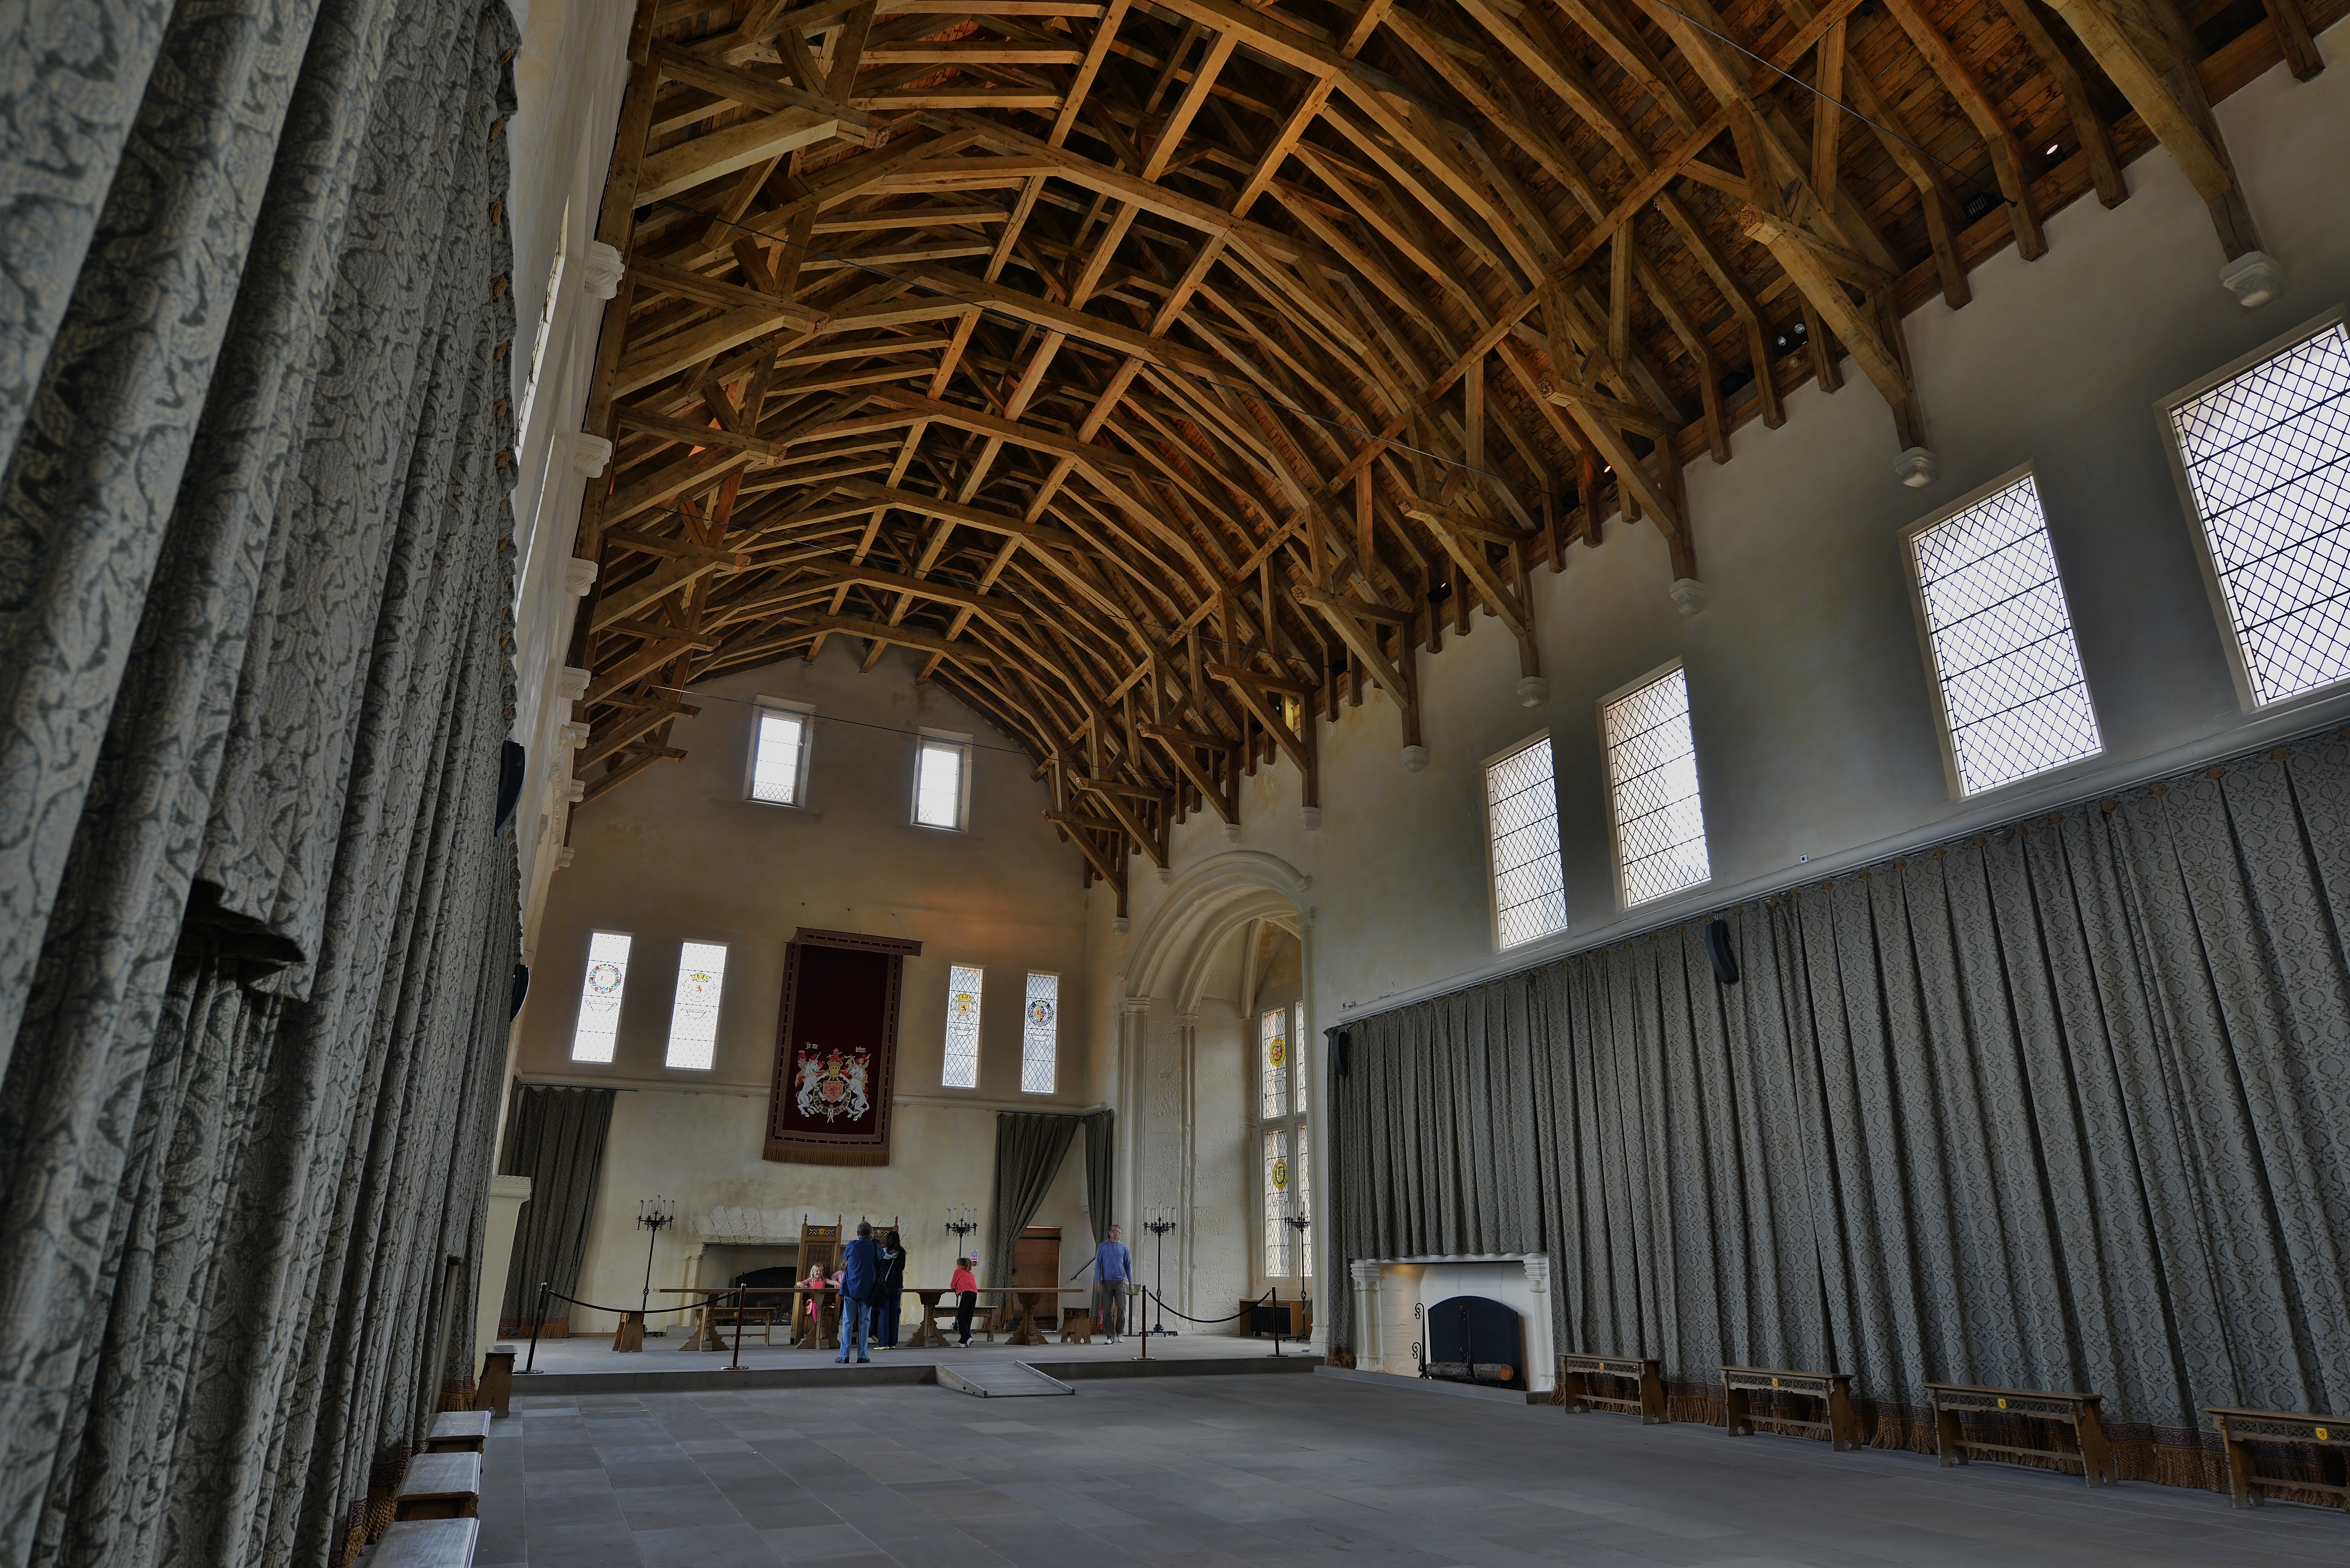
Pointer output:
x,y
1538,1276
602,272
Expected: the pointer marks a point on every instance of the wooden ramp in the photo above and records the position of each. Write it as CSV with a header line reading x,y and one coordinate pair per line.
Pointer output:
x,y
1017,1381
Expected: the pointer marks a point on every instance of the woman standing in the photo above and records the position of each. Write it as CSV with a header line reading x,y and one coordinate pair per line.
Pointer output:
x,y
892,1289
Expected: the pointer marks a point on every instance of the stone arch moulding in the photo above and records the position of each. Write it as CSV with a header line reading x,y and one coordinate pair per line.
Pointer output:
x,y
1166,971
1170,963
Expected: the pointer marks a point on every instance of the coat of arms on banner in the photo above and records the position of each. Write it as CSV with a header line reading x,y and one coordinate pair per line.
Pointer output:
x,y
832,1086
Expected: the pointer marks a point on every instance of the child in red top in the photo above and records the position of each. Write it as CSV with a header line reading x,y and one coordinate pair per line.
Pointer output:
x,y
965,1285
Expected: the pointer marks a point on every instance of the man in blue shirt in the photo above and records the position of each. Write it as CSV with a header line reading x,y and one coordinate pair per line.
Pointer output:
x,y
860,1271
1113,1271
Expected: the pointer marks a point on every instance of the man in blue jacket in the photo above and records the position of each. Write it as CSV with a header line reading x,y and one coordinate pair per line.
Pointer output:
x,y
860,1271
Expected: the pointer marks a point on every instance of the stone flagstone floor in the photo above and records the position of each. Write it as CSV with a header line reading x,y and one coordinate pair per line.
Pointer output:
x,y
1221,1472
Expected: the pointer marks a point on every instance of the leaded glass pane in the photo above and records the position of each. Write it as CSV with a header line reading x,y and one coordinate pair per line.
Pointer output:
x,y
693,1016
2267,455
2010,673
1297,1056
1276,1202
1040,1034
776,765
1652,772
1522,824
1273,1055
1304,1203
961,1069
599,996
937,784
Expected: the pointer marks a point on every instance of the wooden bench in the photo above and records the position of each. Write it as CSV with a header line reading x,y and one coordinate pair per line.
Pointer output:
x,y
1832,1389
1575,1369
2237,1428
440,1486
428,1543
496,1388
458,1432
2078,1411
1076,1325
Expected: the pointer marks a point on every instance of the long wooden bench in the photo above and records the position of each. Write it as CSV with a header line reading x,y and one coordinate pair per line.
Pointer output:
x,y
1577,1368
1832,1389
440,1486
2328,1433
428,1543
458,1432
2078,1411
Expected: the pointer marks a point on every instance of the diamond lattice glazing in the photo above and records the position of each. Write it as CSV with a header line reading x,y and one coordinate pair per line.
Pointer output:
x,y
1652,776
2004,657
1522,823
1040,1036
2267,455
693,1014
959,1069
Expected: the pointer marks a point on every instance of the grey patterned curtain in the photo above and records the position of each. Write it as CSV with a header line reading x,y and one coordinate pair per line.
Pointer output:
x,y
2058,1106
1101,1171
555,1136
1029,1148
257,931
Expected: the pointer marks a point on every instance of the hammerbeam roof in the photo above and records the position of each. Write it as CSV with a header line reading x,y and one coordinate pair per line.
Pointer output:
x,y
1158,374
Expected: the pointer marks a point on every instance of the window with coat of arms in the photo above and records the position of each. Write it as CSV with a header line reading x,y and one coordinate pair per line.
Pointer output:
x,y
1040,1034
599,996
1281,1126
693,1016
962,1068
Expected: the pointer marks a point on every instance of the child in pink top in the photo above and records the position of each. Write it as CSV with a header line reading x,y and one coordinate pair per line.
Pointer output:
x,y
965,1286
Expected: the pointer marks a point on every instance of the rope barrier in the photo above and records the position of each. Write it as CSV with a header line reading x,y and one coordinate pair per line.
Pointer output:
x,y
684,1306
1187,1317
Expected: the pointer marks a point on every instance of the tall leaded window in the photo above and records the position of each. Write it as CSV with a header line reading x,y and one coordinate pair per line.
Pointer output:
x,y
1521,834
942,787
1280,1128
779,750
599,996
963,990
1999,638
1040,1034
2265,455
1652,794
693,1016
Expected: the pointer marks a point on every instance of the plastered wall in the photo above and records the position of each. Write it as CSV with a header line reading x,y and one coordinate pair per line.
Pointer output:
x,y
680,854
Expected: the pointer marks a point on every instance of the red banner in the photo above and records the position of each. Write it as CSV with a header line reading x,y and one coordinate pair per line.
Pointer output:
x,y
836,1049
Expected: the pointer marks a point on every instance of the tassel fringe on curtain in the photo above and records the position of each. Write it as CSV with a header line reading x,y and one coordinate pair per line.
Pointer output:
x,y
2060,1107
256,927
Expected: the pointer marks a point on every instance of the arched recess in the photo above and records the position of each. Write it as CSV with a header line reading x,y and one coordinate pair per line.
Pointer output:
x,y
1160,1059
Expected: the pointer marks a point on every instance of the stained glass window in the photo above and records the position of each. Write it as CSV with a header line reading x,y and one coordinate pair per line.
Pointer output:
x,y
1040,1034
1522,826
1273,1049
2267,458
599,996
2014,699
1652,784
779,756
1304,1203
938,784
1277,1199
693,1016
961,1071
1297,1037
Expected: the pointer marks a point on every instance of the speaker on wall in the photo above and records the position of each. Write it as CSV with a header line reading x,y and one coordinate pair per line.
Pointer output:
x,y
1716,948
510,766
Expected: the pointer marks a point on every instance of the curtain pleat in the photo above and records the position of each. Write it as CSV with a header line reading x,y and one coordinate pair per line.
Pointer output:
x,y
1029,1148
555,1138
257,931
2060,1106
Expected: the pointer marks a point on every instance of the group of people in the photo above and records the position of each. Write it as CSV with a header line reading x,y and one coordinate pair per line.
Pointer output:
x,y
872,1284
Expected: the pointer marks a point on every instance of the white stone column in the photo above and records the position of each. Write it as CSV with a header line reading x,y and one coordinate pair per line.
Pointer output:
x,y
1131,1015
1543,1363
1186,1037
1366,1272
507,1195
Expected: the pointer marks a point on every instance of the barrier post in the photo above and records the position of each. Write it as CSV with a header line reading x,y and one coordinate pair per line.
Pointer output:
x,y
539,1317
736,1364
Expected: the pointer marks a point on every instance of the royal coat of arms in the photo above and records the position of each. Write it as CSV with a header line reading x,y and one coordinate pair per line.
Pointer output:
x,y
830,1084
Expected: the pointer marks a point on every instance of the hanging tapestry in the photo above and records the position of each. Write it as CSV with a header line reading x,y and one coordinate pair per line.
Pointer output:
x,y
836,1049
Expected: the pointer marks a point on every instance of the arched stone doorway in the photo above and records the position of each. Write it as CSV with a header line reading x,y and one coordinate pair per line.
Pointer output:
x,y
1233,931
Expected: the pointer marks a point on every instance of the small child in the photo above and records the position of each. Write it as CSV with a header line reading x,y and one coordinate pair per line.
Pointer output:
x,y
815,1281
965,1286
